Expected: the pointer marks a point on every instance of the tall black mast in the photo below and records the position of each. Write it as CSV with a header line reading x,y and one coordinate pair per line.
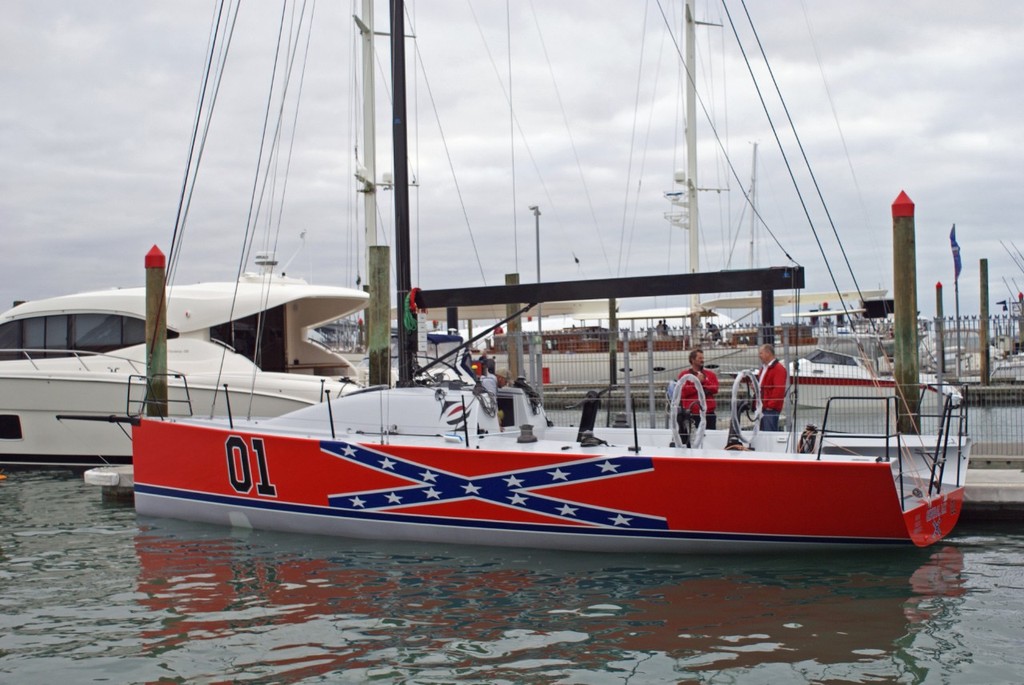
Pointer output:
x,y
399,132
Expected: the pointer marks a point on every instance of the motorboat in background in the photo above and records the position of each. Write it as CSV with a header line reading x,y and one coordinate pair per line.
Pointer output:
x,y
844,365
1010,368
242,346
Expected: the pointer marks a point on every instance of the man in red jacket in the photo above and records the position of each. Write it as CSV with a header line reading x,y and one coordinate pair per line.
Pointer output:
x,y
708,380
772,378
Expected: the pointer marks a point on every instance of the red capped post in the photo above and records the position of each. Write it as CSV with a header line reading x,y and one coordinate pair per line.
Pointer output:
x,y
904,280
903,206
156,333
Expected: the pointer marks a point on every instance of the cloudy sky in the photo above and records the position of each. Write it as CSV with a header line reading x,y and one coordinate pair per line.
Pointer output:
x,y
575,107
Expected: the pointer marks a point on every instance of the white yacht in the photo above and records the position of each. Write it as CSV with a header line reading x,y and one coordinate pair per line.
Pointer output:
x,y
84,355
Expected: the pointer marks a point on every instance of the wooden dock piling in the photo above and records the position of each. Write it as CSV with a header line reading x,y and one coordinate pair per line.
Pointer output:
x,y
904,255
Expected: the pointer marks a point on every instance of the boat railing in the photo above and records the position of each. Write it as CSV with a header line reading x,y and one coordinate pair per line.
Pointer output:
x,y
887,437
950,436
954,409
33,355
139,405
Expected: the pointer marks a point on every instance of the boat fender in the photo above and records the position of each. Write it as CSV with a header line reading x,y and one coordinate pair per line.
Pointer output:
x,y
452,437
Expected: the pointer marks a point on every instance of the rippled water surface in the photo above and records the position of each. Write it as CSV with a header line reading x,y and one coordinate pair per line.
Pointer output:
x,y
89,593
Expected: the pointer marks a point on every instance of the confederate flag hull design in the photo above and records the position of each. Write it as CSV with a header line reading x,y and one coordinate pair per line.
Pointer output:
x,y
546,494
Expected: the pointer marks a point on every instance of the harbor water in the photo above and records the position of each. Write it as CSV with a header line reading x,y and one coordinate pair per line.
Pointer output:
x,y
89,593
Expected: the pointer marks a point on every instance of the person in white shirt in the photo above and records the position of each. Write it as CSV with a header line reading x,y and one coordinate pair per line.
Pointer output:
x,y
489,381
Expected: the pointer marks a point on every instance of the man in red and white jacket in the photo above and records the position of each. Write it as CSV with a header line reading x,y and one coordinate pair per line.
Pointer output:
x,y
772,378
709,381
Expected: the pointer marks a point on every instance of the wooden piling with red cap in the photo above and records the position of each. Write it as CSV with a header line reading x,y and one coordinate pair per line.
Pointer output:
x,y
156,333
905,362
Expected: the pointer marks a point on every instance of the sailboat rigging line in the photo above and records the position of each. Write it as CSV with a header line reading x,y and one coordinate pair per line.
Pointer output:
x,y
1017,250
272,159
718,138
1018,259
208,68
643,162
785,157
253,211
524,141
451,163
1010,291
295,114
1013,257
572,144
839,128
192,167
513,123
900,390
275,146
803,154
253,206
632,140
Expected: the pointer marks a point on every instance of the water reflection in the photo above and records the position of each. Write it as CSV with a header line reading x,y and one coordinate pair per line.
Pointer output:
x,y
284,609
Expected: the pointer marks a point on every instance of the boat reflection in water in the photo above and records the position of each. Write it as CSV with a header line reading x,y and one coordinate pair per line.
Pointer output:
x,y
287,608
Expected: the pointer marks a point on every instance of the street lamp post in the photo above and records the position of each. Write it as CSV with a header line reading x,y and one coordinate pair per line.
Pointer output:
x,y
540,308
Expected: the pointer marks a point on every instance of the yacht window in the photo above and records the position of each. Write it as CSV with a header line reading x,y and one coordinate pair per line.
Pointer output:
x,y
265,350
89,332
35,333
57,332
135,331
825,357
10,427
97,332
10,335
45,332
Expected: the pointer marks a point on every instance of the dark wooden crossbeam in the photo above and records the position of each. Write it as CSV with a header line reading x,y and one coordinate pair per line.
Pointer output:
x,y
740,280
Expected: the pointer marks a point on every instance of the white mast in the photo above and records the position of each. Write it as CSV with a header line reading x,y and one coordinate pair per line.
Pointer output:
x,y
367,174
691,162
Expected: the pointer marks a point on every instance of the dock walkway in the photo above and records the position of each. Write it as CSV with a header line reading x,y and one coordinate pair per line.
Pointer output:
x,y
995,489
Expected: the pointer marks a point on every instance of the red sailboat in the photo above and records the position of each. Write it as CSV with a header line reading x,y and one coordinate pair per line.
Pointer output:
x,y
450,462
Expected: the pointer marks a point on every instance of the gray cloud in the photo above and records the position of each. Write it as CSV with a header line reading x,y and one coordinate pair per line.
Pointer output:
x,y
98,102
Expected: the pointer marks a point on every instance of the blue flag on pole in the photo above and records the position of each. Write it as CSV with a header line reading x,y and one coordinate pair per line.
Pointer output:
x,y
957,265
